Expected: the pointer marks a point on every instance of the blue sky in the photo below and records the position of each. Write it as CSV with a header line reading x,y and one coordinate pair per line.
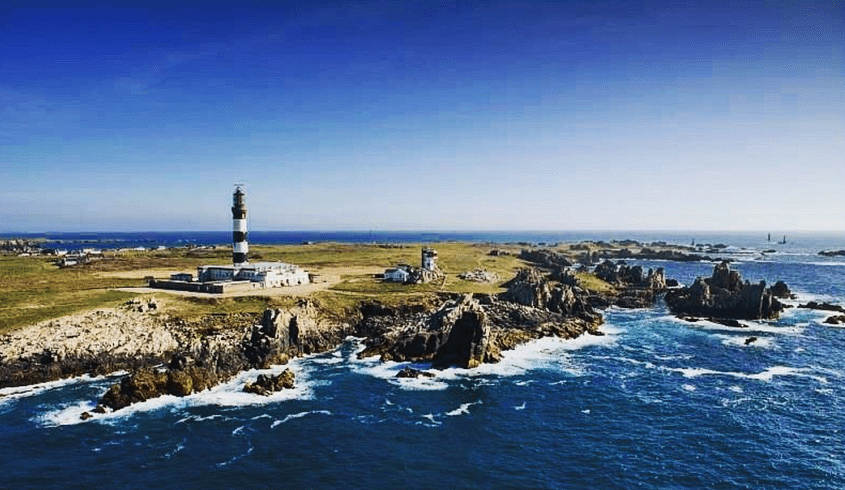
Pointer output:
x,y
423,115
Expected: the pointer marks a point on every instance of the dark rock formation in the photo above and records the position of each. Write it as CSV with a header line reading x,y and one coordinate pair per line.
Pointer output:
x,y
750,340
545,258
835,320
531,288
268,384
832,253
724,295
219,356
409,372
635,289
781,290
466,331
649,254
458,333
728,322
815,305
623,275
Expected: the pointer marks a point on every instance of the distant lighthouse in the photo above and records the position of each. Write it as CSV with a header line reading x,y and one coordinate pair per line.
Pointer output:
x,y
240,247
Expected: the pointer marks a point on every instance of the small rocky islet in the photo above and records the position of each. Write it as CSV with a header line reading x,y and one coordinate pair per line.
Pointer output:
x,y
165,356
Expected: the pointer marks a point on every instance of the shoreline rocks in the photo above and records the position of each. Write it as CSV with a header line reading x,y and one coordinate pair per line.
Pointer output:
x,y
445,329
266,385
214,359
824,306
725,296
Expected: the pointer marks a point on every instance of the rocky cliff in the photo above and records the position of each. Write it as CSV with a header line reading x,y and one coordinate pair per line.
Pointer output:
x,y
466,331
725,295
201,363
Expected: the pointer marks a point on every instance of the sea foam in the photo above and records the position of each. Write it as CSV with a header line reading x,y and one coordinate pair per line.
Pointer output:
x,y
229,394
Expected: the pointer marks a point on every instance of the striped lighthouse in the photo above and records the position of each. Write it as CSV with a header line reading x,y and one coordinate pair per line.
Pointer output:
x,y
240,247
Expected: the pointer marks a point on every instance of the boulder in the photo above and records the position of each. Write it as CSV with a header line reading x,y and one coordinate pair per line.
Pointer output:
x,y
781,290
409,372
267,384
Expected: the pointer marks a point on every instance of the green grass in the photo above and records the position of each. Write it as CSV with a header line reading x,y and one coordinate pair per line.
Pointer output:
x,y
33,289
592,283
193,308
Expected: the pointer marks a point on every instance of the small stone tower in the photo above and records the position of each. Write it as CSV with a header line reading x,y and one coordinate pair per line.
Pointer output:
x,y
240,246
429,259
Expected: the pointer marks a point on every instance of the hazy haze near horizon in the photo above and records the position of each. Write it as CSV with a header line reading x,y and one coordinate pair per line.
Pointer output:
x,y
424,115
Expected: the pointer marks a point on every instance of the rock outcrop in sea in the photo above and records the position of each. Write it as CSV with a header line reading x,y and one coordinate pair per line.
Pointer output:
x,y
724,295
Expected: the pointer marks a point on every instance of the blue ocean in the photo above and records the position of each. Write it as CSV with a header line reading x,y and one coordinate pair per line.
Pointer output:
x,y
654,403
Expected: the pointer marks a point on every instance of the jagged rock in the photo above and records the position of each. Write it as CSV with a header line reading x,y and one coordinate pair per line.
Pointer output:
x,y
815,305
531,288
528,288
634,298
409,372
835,320
85,416
545,258
624,275
724,278
456,334
565,275
750,340
265,385
467,331
725,296
220,355
656,279
832,253
467,334
781,290
728,322
136,388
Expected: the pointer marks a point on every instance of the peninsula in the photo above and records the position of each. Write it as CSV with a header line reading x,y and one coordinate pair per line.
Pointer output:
x,y
101,316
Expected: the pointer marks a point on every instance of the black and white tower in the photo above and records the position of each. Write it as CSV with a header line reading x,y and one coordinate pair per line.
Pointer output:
x,y
240,247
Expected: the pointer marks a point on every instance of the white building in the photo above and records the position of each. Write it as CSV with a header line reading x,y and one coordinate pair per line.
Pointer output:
x,y
268,274
400,273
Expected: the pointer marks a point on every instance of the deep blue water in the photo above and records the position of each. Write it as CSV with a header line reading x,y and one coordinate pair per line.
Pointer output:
x,y
655,403
796,242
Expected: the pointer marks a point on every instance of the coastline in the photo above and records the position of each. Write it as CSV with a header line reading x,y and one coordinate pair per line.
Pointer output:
x,y
418,324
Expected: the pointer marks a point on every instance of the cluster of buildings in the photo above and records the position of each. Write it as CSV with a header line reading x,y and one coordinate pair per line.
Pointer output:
x,y
241,275
407,274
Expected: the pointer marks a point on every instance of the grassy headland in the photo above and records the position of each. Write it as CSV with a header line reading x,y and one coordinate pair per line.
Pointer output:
x,y
33,289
